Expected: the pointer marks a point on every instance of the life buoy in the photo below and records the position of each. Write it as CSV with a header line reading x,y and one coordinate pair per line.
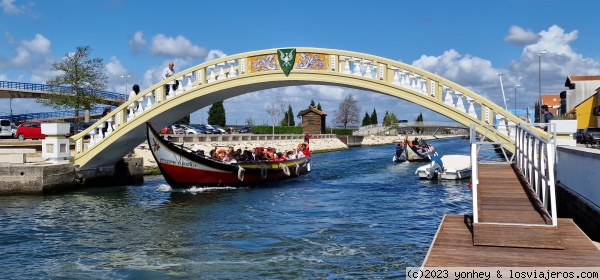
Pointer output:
x,y
297,170
285,168
308,167
240,174
263,171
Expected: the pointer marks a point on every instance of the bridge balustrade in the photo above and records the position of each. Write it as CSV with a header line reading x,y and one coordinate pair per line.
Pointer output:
x,y
323,66
533,154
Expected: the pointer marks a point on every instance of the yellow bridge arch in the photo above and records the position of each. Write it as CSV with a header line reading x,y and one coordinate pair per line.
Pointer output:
x,y
220,79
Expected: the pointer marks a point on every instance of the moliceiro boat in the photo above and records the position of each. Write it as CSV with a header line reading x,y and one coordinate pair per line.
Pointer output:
x,y
448,167
414,151
182,168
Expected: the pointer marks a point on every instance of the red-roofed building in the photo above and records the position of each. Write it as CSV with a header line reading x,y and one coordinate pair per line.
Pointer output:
x,y
553,102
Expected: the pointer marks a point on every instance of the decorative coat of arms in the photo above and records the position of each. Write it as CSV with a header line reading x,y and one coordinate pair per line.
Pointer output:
x,y
286,58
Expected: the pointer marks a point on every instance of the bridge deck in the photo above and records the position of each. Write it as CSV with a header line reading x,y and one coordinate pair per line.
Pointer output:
x,y
504,197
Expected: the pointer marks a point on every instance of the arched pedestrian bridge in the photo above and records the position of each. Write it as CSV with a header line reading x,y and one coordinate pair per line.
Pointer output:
x,y
220,79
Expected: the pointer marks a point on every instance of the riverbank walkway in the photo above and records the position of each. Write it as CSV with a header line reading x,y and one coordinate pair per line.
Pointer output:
x,y
505,203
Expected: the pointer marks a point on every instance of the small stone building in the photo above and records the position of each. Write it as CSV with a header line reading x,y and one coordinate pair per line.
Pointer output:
x,y
313,121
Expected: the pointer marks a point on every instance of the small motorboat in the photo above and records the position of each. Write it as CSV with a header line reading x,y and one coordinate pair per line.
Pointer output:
x,y
414,151
182,168
448,167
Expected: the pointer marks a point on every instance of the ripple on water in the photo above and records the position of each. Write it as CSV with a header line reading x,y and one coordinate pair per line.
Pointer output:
x,y
356,215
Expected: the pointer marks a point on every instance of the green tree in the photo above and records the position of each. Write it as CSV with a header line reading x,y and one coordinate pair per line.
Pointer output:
x,y
85,76
385,117
374,117
319,106
216,114
390,120
288,118
419,122
366,120
312,103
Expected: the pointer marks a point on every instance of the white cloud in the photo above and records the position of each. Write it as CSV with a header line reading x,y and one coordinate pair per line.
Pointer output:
x,y
9,8
521,37
21,58
39,44
137,41
178,47
214,54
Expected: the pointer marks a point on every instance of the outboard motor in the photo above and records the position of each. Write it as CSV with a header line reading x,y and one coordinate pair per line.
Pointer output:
x,y
435,169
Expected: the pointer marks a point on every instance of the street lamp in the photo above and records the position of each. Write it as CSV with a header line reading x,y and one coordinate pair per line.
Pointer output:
x,y
540,85
516,99
126,76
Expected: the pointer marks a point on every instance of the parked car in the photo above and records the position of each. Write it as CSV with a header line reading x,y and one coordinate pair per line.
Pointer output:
x,y
190,129
245,129
30,130
5,130
202,129
217,128
173,129
591,135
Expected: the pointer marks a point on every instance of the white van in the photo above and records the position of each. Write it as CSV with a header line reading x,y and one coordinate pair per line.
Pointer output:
x,y
5,128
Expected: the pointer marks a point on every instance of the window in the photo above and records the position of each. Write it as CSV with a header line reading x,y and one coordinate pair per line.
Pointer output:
x,y
311,122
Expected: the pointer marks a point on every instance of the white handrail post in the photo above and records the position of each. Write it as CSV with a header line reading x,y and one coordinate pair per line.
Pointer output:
x,y
551,182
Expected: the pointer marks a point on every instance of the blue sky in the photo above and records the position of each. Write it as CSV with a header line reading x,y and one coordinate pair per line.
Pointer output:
x,y
468,42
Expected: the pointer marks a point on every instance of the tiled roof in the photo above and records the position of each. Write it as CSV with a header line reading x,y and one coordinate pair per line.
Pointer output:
x,y
312,109
551,99
584,78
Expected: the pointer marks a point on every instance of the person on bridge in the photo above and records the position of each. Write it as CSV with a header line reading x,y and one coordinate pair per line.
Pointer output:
x,y
547,115
168,72
106,124
134,91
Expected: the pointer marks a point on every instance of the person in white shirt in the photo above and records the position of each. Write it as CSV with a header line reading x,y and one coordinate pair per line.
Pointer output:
x,y
168,72
132,95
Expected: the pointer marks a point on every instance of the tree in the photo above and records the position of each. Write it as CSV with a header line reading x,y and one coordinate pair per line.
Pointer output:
x,y
366,120
374,117
312,104
84,75
249,121
319,106
385,117
419,121
347,112
288,118
273,111
216,114
390,120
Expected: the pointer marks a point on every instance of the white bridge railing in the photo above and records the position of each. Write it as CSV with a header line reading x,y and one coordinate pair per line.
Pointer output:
x,y
534,156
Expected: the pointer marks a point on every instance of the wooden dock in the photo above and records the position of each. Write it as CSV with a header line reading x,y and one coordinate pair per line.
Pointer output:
x,y
513,230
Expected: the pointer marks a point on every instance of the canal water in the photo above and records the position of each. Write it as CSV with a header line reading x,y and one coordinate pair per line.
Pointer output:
x,y
357,215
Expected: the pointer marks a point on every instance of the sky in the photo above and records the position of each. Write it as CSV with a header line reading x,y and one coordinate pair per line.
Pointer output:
x,y
466,41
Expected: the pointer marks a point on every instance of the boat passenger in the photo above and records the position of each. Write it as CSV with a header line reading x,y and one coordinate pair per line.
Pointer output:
x,y
305,150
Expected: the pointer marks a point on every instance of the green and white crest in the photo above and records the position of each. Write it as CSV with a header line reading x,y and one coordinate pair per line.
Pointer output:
x,y
286,58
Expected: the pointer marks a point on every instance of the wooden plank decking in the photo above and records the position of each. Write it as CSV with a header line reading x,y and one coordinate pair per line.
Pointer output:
x,y
504,197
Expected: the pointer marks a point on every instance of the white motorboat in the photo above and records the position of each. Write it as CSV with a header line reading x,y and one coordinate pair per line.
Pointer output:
x,y
448,167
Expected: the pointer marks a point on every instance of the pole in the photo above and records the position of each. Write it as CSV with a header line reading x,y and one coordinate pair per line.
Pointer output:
x,y
516,100
126,76
502,87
